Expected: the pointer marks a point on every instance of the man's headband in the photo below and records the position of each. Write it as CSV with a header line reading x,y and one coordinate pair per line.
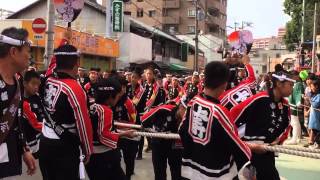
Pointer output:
x,y
14,42
106,88
67,53
283,78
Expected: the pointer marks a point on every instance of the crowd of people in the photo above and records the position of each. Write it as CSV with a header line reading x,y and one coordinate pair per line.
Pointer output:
x,y
224,116
304,106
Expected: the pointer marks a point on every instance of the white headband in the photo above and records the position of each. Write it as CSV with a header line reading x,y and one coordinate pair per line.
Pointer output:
x,y
106,88
283,78
14,42
67,53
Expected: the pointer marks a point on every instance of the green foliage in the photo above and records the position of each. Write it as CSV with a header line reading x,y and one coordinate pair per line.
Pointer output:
x,y
293,28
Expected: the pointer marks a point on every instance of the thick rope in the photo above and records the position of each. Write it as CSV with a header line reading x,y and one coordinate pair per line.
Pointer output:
x,y
278,149
134,126
158,135
302,105
292,152
127,125
299,149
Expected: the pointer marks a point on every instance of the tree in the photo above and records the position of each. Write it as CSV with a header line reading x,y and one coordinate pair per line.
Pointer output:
x,y
293,28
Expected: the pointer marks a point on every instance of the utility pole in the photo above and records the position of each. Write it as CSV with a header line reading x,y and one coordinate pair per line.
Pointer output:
x,y
196,52
108,18
50,34
269,63
314,47
303,20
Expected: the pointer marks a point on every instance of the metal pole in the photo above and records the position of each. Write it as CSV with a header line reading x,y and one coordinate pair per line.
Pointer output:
x,y
108,18
50,33
269,62
314,47
196,39
303,20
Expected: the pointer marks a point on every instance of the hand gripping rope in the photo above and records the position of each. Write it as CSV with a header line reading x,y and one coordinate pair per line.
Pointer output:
x,y
291,150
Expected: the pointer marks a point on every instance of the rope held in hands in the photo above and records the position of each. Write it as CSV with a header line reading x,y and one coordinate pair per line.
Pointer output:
x,y
280,149
297,151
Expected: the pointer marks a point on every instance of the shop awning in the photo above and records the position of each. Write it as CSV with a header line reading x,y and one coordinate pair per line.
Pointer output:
x,y
178,67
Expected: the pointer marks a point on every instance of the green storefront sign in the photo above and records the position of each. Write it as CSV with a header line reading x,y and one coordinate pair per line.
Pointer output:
x,y
117,16
184,51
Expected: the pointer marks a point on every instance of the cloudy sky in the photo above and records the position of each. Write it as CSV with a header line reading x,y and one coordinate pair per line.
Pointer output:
x,y
266,15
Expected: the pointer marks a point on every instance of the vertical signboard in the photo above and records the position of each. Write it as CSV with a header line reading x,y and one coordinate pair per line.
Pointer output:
x,y
117,16
184,51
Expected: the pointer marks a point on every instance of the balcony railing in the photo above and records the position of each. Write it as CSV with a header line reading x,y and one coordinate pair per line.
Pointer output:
x,y
171,4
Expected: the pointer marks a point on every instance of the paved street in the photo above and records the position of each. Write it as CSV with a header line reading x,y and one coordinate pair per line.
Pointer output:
x,y
298,168
290,168
144,170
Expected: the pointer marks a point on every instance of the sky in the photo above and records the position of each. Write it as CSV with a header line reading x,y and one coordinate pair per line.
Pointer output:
x,y
266,15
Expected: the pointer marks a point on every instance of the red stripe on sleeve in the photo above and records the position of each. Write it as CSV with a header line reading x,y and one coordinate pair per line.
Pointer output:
x,y
31,116
106,135
78,101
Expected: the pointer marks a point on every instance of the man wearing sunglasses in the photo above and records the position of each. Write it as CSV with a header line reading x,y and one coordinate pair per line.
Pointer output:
x,y
14,58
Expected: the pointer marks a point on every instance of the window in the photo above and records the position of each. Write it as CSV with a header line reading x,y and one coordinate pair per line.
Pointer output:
x,y
152,13
191,13
213,28
127,13
139,12
213,11
191,29
222,16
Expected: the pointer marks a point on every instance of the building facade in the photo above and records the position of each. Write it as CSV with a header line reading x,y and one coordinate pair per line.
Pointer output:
x,y
87,34
96,51
178,16
281,33
162,47
4,13
208,44
264,60
269,43
92,18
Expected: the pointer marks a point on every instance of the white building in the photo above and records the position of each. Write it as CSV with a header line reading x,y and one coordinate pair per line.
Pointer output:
x,y
133,48
208,44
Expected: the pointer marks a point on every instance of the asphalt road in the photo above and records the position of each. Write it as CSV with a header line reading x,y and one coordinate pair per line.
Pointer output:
x,y
290,168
